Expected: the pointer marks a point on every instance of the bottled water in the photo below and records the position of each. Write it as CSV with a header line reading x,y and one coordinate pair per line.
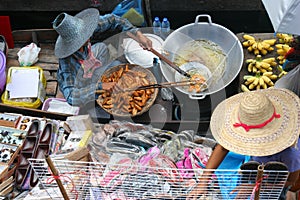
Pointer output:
x,y
156,70
165,27
156,26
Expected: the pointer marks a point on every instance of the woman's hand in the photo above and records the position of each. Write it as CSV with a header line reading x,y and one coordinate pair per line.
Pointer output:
x,y
201,187
144,41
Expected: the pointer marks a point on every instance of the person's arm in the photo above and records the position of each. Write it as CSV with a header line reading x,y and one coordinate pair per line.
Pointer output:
x,y
216,157
214,161
114,22
66,77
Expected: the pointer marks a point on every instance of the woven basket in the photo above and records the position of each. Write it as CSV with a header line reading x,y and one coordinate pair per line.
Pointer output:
x,y
150,77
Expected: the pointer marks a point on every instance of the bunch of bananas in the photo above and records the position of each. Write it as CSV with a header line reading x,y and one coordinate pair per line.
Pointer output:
x,y
259,81
261,65
258,46
284,38
282,49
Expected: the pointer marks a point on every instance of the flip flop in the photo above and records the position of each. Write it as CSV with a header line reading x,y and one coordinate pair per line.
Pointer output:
x,y
278,172
249,171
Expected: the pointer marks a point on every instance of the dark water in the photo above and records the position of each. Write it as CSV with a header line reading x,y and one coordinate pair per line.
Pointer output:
x,y
236,21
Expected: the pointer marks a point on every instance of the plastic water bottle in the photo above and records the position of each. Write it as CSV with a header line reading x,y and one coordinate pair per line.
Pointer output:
x,y
156,69
156,26
165,27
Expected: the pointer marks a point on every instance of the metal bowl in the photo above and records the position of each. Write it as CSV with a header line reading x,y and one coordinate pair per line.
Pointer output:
x,y
214,33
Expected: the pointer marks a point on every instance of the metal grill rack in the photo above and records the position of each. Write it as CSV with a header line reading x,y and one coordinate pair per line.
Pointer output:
x,y
91,180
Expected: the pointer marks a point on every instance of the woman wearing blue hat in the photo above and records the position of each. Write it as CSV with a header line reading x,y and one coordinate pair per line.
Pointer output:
x,y
81,64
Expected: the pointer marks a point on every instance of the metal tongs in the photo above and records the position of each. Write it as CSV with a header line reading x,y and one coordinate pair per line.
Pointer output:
x,y
156,85
162,85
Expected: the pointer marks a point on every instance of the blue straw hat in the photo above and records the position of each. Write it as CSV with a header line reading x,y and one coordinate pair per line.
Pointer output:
x,y
74,31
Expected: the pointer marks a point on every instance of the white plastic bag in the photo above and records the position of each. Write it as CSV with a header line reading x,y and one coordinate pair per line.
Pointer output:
x,y
28,55
290,81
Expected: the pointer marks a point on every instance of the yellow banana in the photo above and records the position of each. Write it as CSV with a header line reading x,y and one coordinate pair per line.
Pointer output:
x,y
265,45
273,77
265,65
268,80
286,48
263,52
250,67
270,41
256,81
259,46
248,43
256,51
261,81
248,37
288,39
250,80
265,86
251,86
269,60
268,74
273,64
244,88
281,57
262,70
258,65
281,52
282,74
245,44
250,49
254,46
250,60
254,69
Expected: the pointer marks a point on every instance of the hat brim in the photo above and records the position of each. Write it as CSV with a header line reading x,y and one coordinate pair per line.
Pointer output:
x,y
65,48
276,136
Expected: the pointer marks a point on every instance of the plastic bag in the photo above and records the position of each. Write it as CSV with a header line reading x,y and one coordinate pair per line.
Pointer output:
x,y
290,81
28,55
131,10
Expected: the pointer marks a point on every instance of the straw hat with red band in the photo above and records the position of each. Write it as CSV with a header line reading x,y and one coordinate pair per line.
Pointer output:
x,y
257,123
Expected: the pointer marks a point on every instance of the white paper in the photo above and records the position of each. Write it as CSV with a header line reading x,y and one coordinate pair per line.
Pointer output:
x,y
62,107
24,83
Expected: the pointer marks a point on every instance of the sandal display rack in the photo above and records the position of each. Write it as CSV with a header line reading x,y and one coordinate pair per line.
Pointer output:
x,y
92,180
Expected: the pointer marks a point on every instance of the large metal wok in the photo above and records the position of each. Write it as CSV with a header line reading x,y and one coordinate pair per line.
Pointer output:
x,y
209,31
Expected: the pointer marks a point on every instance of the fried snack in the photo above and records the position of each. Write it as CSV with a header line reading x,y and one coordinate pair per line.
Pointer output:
x,y
121,102
199,83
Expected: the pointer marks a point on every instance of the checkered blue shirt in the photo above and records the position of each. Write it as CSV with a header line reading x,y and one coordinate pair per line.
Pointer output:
x,y
77,90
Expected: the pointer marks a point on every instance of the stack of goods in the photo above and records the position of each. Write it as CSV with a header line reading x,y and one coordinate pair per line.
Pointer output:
x,y
23,138
11,140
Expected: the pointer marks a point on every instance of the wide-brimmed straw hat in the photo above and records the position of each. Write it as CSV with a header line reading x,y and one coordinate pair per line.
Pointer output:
x,y
257,123
74,31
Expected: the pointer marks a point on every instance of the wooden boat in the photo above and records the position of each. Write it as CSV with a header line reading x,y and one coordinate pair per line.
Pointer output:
x,y
45,38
